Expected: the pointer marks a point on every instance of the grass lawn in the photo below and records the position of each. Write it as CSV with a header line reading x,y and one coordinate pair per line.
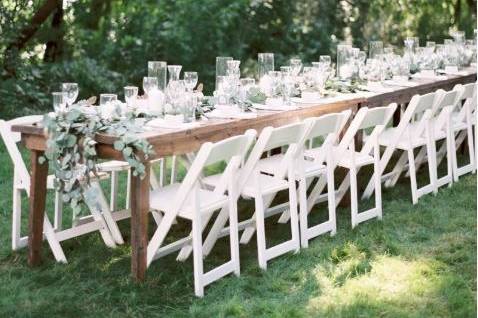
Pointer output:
x,y
420,261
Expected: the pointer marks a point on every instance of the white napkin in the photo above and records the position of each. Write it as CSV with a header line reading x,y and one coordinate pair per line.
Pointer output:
x,y
376,88
429,76
171,122
401,83
228,112
273,107
452,72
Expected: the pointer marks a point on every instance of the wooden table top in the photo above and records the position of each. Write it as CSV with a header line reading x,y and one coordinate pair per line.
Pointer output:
x,y
178,141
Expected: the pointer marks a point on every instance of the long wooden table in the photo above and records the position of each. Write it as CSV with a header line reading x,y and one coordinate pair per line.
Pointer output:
x,y
167,142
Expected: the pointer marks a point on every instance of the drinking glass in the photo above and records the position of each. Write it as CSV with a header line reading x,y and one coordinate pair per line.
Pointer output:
x,y
222,93
275,77
71,90
188,108
431,44
295,66
221,67
375,48
150,84
288,85
59,101
174,71
158,69
344,67
130,94
326,59
107,98
191,80
286,70
266,63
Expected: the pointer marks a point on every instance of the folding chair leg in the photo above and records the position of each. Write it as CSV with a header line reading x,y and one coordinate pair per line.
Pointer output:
x,y
114,191
432,166
53,242
16,217
158,236
213,234
294,217
234,236
198,258
378,185
95,207
413,176
173,169
128,190
303,213
58,219
353,195
331,199
106,213
261,236
420,159
249,231
397,170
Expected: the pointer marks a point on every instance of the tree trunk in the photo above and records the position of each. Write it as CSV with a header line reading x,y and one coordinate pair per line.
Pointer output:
x,y
14,48
54,46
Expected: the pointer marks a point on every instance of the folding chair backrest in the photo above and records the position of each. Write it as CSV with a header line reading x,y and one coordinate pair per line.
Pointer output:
x,y
327,124
231,150
377,116
270,138
417,108
367,118
444,99
11,139
285,135
328,127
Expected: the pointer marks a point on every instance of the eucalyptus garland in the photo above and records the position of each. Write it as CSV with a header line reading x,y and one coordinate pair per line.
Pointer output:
x,y
71,149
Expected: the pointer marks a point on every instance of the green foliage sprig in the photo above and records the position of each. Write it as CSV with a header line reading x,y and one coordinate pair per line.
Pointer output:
x,y
72,153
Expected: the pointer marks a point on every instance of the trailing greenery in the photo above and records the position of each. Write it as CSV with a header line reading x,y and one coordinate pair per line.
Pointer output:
x,y
72,154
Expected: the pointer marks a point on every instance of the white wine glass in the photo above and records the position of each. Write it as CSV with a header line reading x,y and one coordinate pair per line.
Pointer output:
x,y
59,101
130,94
191,80
71,90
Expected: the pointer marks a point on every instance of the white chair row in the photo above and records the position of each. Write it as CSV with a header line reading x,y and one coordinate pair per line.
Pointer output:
x,y
252,173
439,116
261,178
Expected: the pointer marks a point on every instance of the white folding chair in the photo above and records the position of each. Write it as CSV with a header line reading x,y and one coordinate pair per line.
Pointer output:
x,y
319,163
101,218
413,131
346,156
192,201
462,121
262,179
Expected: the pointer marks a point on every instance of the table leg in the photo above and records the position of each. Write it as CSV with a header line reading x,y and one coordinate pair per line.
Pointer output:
x,y
36,214
139,224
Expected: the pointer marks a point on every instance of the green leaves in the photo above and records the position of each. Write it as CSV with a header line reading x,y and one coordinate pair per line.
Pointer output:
x,y
71,150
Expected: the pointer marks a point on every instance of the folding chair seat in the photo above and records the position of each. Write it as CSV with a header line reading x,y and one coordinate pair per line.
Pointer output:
x,y
414,131
101,219
263,186
192,201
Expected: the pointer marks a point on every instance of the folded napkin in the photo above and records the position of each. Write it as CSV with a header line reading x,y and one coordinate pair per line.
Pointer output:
x,y
376,88
308,100
401,83
429,76
452,72
228,112
273,107
171,122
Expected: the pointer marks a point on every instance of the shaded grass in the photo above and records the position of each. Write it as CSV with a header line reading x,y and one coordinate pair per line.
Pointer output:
x,y
420,261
